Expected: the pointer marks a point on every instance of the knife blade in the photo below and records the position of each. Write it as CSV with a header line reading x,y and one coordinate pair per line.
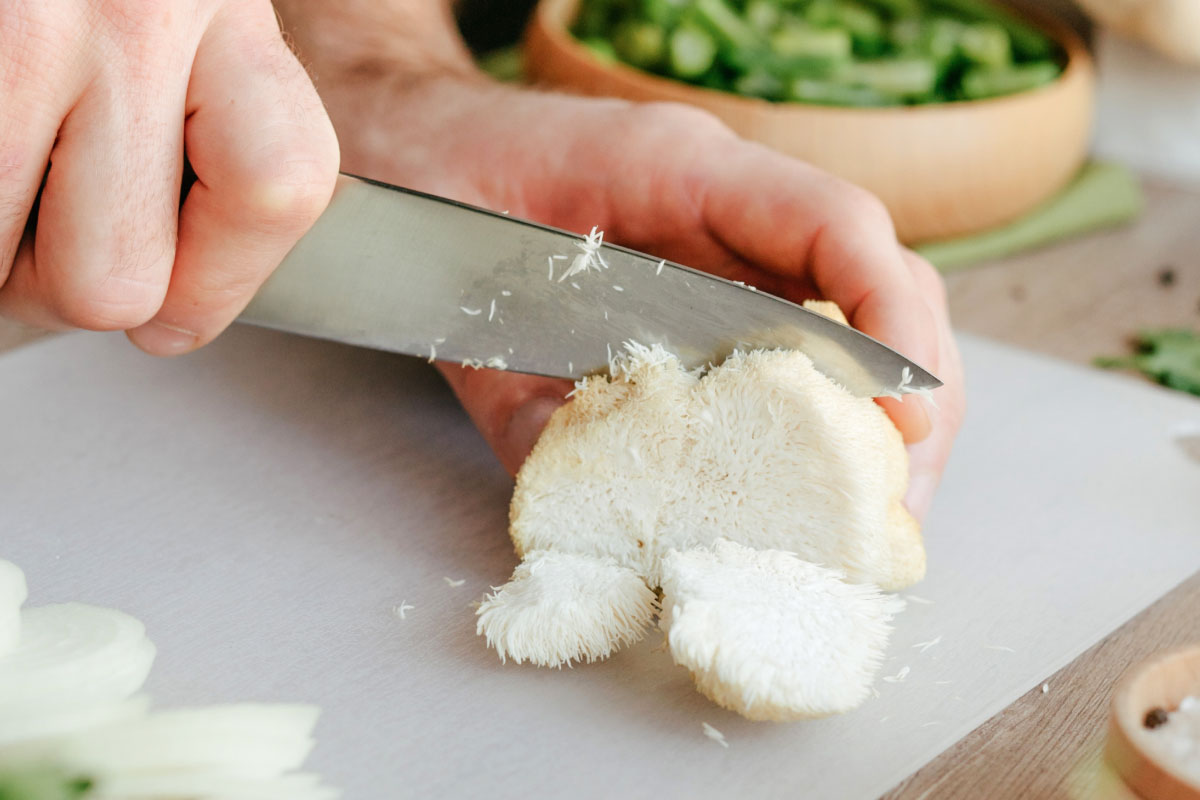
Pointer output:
x,y
395,269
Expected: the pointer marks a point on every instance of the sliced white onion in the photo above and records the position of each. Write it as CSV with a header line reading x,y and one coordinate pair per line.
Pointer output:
x,y
75,655
238,741
12,596
26,723
205,786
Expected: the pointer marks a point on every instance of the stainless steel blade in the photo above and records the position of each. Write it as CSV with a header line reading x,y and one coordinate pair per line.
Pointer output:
x,y
398,270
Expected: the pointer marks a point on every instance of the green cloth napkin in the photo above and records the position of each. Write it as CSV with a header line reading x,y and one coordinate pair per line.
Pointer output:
x,y
1101,195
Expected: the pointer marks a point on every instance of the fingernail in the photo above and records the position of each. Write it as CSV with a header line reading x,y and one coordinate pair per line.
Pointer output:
x,y
161,339
524,428
921,488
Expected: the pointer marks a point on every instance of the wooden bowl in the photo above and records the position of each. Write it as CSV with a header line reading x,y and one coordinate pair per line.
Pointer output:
x,y
1161,682
942,170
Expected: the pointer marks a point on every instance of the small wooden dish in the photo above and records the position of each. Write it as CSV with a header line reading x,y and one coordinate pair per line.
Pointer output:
x,y
942,170
1161,682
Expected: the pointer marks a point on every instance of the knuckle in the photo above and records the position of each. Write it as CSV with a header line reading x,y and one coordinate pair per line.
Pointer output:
x,y
288,190
928,279
865,206
680,119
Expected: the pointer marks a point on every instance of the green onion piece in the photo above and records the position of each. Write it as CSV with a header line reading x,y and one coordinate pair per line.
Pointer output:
x,y
763,15
1028,41
897,8
760,83
940,39
866,28
664,13
642,44
986,44
798,39
807,90
907,78
979,83
691,51
724,23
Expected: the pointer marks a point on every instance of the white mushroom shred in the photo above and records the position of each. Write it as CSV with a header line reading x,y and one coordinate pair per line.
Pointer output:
x,y
454,583
402,609
923,646
589,258
471,312
714,734
496,362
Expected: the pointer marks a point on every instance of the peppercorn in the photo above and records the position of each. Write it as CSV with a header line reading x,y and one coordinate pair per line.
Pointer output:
x,y
1155,717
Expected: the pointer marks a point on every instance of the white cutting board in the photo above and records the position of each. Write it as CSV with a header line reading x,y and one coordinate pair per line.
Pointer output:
x,y
264,505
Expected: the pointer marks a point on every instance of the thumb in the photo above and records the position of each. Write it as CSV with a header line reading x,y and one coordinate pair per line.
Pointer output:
x,y
510,409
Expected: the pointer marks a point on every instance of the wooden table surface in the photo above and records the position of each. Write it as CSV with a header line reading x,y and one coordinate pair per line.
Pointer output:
x,y
1074,300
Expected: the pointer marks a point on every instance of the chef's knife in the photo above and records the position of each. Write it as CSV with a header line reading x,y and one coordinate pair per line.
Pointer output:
x,y
399,270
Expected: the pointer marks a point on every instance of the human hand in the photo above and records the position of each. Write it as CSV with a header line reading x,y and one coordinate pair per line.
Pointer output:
x,y
100,99
671,181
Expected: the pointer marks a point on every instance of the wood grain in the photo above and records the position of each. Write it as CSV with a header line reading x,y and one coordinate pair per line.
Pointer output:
x,y
1046,744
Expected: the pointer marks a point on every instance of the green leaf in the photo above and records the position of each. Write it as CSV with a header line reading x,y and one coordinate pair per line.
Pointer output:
x,y
1170,356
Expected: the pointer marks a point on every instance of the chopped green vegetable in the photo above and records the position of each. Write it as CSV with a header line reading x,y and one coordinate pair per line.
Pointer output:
x,y
979,83
42,783
764,15
844,52
986,44
760,84
1170,356
807,90
730,29
692,51
906,78
800,40
641,44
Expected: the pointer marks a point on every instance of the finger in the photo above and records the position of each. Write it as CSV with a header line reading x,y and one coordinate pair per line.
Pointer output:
x,y
927,459
266,160
509,409
797,221
42,76
105,238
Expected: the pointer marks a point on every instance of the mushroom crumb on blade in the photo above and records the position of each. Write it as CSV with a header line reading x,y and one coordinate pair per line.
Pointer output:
x,y
761,498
